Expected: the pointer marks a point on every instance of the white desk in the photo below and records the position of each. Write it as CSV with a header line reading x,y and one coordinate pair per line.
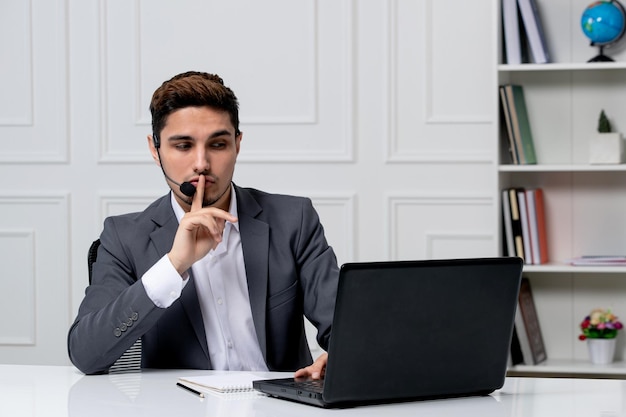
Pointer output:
x,y
55,391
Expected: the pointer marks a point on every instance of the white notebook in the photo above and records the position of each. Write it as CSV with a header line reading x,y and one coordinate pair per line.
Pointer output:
x,y
226,383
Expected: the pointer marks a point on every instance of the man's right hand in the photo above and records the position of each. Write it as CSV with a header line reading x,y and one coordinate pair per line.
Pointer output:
x,y
199,231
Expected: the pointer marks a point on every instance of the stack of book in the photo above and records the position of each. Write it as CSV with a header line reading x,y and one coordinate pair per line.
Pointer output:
x,y
527,346
515,118
598,260
523,33
524,220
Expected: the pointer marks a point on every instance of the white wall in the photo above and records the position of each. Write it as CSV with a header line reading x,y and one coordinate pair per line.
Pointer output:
x,y
380,111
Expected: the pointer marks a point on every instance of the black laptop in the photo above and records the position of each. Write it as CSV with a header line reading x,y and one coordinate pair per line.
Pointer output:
x,y
410,330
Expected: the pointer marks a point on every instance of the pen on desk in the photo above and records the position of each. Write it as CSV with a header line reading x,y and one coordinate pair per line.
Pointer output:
x,y
193,391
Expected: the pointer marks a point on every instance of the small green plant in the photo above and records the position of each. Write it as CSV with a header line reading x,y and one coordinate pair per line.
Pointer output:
x,y
604,126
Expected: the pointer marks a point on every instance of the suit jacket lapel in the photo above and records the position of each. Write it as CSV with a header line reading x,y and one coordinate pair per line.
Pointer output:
x,y
255,243
162,238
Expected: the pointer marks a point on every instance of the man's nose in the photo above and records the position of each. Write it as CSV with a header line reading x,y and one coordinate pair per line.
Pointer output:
x,y
201,162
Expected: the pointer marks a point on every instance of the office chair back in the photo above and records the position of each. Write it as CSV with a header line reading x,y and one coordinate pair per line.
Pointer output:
x,y
92,254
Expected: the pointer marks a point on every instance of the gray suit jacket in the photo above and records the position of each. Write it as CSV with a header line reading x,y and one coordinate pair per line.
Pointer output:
x,y
290,268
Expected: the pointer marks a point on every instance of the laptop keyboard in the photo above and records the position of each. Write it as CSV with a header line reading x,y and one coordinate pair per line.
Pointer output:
x,y
313,385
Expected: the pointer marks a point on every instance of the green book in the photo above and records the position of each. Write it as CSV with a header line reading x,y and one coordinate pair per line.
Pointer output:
x,y
521,124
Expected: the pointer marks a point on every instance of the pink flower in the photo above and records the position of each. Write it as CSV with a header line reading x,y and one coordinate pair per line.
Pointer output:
x,y
600,324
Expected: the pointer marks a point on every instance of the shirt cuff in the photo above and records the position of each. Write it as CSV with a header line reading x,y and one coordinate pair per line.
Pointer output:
x,y
163,283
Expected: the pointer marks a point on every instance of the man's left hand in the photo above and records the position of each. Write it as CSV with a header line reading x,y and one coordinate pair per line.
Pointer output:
x,y
315,370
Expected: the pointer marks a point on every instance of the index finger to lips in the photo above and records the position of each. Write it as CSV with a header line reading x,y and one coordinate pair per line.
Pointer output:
x,y
196,204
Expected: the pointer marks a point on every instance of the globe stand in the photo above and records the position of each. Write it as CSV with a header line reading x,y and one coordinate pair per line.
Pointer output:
x,y
601,57
604,23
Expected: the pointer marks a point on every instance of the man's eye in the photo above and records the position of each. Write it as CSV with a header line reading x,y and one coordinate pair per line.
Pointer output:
x,y
218,145
183,146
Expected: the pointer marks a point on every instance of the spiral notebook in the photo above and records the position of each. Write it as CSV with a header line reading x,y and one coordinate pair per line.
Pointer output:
x,y
226,383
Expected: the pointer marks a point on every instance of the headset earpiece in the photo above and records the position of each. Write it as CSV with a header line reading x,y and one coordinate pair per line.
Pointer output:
x,y
156,141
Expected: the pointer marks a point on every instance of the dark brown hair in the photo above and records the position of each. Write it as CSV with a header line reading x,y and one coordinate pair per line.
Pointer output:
x,y
192,89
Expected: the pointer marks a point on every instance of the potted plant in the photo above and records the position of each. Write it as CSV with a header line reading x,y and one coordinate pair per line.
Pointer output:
x,y
607,147
600,329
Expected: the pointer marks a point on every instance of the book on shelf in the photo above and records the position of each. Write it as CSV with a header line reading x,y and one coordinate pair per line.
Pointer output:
x,y
521,124
508,225
598,260
516,356
233,382
523,214
518,130
511,30
521,344
527,327
516,222
508,131
537,223
535,33
524,224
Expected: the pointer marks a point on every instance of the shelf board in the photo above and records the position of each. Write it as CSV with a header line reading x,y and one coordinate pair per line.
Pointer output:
x,y
562,168
561,267
566,368
572,66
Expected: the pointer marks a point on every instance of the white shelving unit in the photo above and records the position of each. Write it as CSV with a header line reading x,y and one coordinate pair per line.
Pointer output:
x,y
585,204
563,368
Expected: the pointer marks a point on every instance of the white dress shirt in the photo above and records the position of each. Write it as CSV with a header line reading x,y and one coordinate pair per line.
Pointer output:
x,y
221,284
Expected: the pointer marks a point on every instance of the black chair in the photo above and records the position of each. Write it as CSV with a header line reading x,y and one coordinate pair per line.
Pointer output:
x,y
92,254
130,361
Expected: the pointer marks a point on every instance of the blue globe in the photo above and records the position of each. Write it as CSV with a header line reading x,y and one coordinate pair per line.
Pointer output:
x,y
603,22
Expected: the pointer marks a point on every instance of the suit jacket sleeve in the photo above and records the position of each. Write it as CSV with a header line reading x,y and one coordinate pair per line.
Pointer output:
x,y
116,310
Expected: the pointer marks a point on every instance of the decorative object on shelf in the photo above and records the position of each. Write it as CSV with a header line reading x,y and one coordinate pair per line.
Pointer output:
x,y
607,147
604,23
601,351
600,329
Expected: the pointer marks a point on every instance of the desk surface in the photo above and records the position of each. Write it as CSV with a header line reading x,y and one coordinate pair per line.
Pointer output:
x,y
55,391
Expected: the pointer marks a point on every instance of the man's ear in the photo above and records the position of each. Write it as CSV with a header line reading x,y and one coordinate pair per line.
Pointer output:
x,y
153,150
238,141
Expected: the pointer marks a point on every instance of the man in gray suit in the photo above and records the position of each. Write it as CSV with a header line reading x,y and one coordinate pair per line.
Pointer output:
x,y
212,275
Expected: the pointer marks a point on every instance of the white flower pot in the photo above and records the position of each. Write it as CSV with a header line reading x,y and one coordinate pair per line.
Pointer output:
x,y
606,148
601,351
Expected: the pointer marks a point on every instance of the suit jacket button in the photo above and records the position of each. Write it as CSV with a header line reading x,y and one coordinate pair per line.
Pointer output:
x,y
117,332
135,316
129,322
123,327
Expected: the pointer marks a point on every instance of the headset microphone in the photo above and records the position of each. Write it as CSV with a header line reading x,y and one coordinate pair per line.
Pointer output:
x,y
186,187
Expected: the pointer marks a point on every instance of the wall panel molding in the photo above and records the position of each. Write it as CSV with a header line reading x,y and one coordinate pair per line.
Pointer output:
x,y
439,131
18,326
115,203
34,112
311,124
339,217
35,255
433,240
16,41
435,226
